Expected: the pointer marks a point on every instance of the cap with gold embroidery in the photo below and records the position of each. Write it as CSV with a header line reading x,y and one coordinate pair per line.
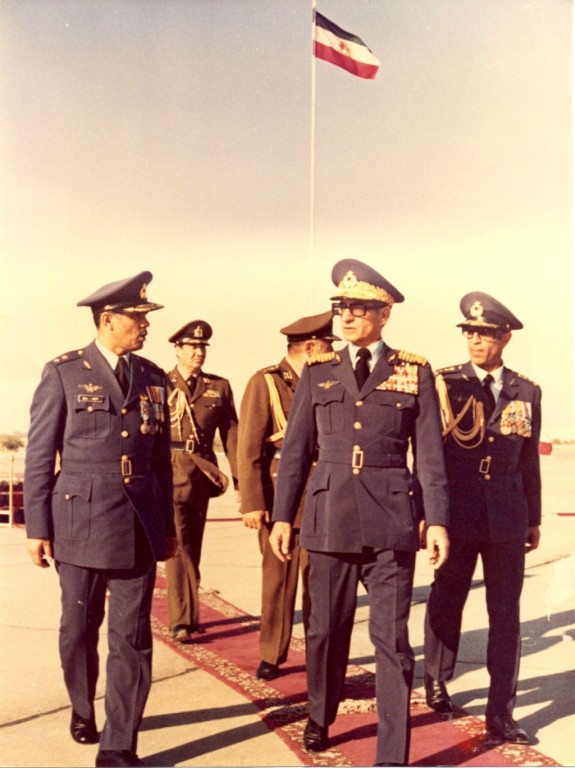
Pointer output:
x,y
196,332
128,295
310,328
356,280
483,311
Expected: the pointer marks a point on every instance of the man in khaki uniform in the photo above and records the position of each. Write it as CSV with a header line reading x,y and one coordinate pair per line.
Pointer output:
x,y
263,417
200,403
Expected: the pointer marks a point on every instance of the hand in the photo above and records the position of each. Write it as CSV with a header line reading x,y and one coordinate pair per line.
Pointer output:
x,y
437,545
40,550
256,519
280,541
171,546
533,537
422,534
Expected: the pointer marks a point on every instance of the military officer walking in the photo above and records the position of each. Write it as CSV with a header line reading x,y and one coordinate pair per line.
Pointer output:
x,y
106,516
200,404
263,417
363,407
492,421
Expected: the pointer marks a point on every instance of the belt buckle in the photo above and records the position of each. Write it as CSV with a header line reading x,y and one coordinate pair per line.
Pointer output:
x,y
484,465
357,458
126,467
190,445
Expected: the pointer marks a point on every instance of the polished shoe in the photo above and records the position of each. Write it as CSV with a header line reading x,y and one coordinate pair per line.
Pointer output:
x,y
505,728
83,729
110,758
267,671
181,635
315,736
436,695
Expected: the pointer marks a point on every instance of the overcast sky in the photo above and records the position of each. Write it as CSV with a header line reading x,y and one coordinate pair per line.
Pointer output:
x,y
175,136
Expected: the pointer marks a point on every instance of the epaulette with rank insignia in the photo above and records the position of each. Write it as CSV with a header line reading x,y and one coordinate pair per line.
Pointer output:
x,y
270,369
323,357
67,357
529,381
407,357
448,369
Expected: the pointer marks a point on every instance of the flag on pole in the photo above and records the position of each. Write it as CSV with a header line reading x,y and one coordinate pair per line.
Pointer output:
x,y
333,44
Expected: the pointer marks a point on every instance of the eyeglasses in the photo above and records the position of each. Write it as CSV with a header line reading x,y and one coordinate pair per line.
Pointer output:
x,y
357,309
484,334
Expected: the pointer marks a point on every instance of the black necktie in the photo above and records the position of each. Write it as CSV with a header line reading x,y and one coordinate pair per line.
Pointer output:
x,y
486,384
362,366
121,372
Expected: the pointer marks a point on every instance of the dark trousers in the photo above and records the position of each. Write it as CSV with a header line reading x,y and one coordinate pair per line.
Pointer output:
x,y
191,499
128,668
503,569
279,590
333,580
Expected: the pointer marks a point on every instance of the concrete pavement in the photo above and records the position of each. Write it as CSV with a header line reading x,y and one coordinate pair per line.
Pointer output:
x,y
192,718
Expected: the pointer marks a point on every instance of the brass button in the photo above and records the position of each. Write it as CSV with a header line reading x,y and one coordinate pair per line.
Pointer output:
x,y
127,481
274,474
124,458
487,477
410,493
398,405
89,409
124,411
359,402
357,448
490,439
67,497
124,433
357,425
355,471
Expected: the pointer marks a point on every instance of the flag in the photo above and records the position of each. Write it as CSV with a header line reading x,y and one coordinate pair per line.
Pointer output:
x,y
332,43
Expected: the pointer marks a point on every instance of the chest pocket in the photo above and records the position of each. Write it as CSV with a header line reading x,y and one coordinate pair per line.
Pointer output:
x,y
329,409
395,410
92,416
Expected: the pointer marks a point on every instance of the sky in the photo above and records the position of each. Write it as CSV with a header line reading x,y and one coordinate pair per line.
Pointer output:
x,y
176,136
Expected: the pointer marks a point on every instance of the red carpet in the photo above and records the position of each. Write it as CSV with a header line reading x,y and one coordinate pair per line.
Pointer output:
x,y
229,650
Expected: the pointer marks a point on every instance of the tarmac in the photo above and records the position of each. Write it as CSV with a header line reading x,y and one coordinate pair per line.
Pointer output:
x,y
196,719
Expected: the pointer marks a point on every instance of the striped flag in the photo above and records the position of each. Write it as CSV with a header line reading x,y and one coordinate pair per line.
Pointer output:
x,y
332,43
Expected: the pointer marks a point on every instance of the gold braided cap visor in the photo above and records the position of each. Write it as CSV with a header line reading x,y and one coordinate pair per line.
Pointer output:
x,y
122,308
363,291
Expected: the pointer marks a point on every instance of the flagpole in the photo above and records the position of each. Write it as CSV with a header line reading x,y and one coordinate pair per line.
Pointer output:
x,y
312,154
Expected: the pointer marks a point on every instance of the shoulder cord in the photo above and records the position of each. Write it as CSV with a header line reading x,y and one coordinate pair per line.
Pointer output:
x,y
179,406
277,410
450,422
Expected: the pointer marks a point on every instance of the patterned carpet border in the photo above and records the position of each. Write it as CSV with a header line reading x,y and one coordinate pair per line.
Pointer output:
x,y
282,703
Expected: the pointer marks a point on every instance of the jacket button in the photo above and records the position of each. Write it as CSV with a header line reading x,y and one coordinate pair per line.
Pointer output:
x,y
487,477
357,425
67,497
125,433
126,481
89,409
124,411
355,471
359,402
398,405
124,458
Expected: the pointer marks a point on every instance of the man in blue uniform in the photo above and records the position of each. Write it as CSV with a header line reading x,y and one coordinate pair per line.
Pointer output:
x,y
363,407
99,417
492,421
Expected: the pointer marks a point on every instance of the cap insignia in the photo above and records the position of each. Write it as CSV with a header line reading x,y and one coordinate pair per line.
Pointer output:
x,y
476,310
198,333
144,292
349,280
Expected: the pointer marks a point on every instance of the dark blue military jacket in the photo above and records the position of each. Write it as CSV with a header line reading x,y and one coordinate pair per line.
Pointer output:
x,y
362,491
493,471
113,454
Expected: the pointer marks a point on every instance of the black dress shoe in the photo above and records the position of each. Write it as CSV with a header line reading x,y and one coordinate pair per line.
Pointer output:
x,y
436,695
505,728
267,671
83,729
110,758
315,736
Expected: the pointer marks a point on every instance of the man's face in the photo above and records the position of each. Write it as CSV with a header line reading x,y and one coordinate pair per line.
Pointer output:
x,y
486,347
365,329
127,331
191,356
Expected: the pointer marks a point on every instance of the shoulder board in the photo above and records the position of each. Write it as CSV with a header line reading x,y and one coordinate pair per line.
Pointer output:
x,y
212,377
448,369
323,357
407,357
67,357
271,369
524,378
150,363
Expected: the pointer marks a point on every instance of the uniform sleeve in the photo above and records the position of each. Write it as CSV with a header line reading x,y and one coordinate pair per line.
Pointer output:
x,y
254,428
228,429
297,453
45,440
530,464
429,463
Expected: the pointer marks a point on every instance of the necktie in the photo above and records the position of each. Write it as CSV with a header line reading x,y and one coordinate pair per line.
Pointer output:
x,y
486,384
121,372
362,366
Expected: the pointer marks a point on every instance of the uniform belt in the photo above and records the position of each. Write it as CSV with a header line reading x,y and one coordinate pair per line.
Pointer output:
x,y
123,466
277,454
190,445
357,458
